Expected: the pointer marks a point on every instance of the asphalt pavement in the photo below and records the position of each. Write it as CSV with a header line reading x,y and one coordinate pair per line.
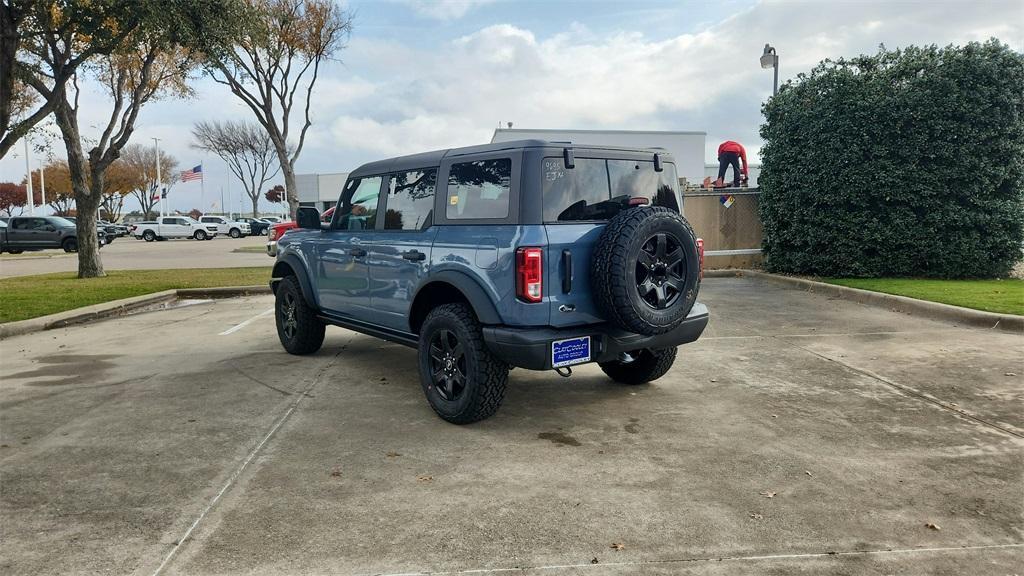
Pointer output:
x,y
130,254
800,435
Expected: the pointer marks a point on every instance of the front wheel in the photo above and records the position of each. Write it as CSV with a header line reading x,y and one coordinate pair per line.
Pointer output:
x,y
298,328
647,365
463,381
200,235
235,233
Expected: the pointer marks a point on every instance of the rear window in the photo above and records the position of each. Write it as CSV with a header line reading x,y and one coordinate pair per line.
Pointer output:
x,y
479,190
597,189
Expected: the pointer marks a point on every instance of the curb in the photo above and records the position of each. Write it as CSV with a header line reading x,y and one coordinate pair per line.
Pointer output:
x,y
121,307
923,308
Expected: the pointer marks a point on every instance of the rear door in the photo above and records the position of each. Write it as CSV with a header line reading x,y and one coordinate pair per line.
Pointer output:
x,y
577,204
343,274
400,252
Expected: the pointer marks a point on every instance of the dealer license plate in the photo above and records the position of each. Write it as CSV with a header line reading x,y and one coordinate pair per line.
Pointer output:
x,y
570,351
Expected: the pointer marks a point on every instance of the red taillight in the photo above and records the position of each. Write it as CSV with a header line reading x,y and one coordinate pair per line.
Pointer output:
x,y
530,274
700,254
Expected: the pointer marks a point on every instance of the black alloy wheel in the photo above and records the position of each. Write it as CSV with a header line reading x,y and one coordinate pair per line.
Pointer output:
x,y
289,322
660,270
448,365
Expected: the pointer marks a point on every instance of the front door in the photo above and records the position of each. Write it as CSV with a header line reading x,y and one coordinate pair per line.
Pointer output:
x,y
342,273
400,255
27,232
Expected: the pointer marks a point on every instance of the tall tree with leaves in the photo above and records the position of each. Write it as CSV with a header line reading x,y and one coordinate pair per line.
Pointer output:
x,y
247,150
279,58
141,163
59,194
150,60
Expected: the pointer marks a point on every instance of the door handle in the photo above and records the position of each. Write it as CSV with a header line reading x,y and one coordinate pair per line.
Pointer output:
x,y
357,252
414,255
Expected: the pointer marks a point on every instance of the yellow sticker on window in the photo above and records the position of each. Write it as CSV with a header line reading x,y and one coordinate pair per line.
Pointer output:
x,y
454,200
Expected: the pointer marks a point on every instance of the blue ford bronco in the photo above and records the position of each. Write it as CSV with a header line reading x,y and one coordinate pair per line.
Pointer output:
x,y
532,254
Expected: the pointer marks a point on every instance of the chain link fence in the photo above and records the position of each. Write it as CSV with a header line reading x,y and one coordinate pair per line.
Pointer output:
x,y
728,221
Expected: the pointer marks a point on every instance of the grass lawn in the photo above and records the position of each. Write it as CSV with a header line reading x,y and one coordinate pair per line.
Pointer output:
x,y
26,297
1002,296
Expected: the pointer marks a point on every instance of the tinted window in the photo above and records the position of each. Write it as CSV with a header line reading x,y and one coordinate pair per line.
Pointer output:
x,y
410,203
479,189
629,178
28,224
598,189
357,209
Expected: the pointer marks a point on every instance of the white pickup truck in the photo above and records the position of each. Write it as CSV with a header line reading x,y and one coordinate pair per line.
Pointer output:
x,y
173,227
232,228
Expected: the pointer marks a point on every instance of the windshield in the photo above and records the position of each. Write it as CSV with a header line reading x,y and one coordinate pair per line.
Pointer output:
x,y
597,189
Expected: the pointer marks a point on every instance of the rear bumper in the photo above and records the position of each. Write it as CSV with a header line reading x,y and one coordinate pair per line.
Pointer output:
x,y
531,347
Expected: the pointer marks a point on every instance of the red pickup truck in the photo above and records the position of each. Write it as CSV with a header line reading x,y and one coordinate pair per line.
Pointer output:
x,y
278,230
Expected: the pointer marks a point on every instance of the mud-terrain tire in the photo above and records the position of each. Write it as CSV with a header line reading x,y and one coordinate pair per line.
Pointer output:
x,y
70,245
648,365
298,328
462,380
645,271
149,236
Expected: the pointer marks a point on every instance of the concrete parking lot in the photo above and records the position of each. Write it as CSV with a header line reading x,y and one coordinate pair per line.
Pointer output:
x,y
131,254
801,435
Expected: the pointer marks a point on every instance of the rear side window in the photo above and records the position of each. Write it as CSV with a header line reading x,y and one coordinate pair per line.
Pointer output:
x,y
479,189
410,203
597,189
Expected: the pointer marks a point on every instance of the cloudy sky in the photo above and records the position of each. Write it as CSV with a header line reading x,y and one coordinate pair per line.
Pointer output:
x,y
427,74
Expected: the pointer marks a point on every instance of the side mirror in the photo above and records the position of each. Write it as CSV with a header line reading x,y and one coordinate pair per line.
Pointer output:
x,y
308,217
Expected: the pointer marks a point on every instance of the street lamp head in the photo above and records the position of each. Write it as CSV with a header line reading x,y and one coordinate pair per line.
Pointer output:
x,y
769,59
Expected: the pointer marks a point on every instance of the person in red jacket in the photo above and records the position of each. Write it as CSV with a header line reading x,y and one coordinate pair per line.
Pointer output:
x,y
730,153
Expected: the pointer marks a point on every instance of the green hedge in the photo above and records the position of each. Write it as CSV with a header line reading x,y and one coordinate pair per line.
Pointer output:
x,y
902,163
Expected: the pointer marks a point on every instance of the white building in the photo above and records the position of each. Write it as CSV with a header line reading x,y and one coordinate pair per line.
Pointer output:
x,y
687,147
320,191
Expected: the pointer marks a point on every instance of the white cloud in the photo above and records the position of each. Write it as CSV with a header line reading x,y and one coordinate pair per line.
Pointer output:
x,y
445,9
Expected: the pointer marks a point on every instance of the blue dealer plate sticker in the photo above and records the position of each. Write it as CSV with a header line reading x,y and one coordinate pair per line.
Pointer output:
x,y
571,351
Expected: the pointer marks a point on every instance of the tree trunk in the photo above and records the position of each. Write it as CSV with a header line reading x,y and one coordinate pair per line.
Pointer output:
x,y
87,201
255,205
281,147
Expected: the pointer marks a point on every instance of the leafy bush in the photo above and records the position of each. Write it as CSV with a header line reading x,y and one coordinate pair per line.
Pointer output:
x,y
902,163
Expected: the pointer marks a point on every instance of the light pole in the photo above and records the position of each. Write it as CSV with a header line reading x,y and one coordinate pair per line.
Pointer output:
x,y
156,142
28,187
42,188
770,59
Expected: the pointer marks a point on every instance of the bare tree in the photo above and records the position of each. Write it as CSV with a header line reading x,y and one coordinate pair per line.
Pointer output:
x,y
141,163
246,148
280,57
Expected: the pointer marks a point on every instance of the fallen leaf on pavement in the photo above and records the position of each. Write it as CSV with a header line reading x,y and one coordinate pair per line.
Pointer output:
x,y
336,471
1011,373
617,546
933,526
594,561
768,493
808,472
425,478
392,454
756,516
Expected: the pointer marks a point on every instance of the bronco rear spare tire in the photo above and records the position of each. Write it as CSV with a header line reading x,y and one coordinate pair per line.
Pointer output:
x,y
645,273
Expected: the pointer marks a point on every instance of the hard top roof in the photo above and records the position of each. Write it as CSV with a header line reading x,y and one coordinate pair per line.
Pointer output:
x,y
433,158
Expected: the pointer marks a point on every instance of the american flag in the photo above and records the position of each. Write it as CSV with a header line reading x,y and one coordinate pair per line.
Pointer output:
x,y
195,173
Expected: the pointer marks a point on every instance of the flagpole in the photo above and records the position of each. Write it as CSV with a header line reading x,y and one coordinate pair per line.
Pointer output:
x,y
202,186
28,188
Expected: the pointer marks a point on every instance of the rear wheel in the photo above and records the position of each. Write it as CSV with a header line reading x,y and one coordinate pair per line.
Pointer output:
x,y
647,365
298,328
462,380
70,245
200,235
15,251
149,235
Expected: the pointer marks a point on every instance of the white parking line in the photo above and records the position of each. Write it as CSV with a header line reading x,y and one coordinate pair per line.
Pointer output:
x,y
238,327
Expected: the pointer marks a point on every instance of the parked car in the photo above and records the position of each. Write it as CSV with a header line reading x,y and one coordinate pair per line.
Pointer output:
x,y
109,229
278,230
273,219
532,254
167,227
233,228
257,226
41,232
119,230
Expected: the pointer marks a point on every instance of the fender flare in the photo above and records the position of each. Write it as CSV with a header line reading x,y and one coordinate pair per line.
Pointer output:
x,y
471,289
301,273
